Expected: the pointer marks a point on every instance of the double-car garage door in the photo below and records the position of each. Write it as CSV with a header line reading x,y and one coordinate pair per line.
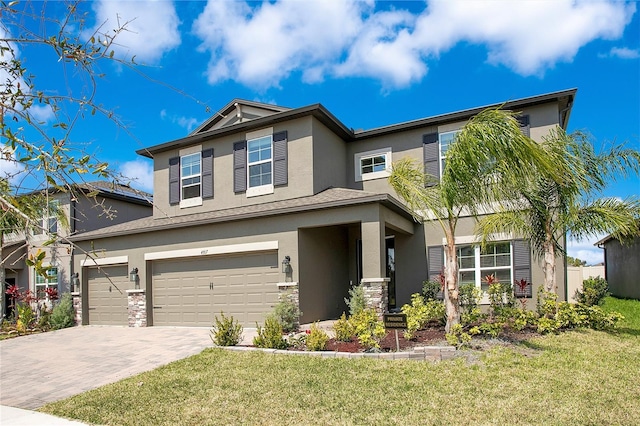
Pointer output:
x,y
190,292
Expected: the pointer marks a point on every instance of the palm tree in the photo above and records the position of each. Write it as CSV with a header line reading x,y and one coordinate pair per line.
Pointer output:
x,y
549,208
485,163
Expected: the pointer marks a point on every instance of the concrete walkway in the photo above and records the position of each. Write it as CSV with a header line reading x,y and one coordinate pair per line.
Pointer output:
x,y
10,416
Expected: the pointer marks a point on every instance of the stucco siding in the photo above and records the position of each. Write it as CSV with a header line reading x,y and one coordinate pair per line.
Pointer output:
x,y
90,214
622,263
329,159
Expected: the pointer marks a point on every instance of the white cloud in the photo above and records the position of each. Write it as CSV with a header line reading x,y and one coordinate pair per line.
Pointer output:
x,y
585,250
42,113
151,27
188,123
11,170
140,172
262,44
624,53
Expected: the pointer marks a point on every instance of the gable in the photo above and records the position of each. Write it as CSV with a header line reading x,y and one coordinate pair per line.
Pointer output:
x,y
236,112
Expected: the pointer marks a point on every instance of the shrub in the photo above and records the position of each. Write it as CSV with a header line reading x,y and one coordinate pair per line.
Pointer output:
x,y
344,329
458,337
570,316
473,316
594,290
63,315
368,329
548,325
44,322
355,301
419,314
546,303
271,335
469,296
288,314
226,331
26,317
430,289
598,319
317,338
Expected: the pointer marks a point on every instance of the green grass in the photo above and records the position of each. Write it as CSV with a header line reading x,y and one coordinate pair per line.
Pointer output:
x,y
578,377
627,307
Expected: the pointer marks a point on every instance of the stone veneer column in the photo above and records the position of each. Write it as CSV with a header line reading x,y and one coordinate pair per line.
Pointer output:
x,y
376,295
137,308
289,291
77,307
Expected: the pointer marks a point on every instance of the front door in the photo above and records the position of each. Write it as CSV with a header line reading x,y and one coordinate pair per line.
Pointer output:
x,y
390,248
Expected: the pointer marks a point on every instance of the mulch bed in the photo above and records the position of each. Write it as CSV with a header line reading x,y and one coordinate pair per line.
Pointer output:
x,y
428,337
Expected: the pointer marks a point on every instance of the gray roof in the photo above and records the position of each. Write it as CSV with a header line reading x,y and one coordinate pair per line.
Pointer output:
x,y
564,97
329,198
117,190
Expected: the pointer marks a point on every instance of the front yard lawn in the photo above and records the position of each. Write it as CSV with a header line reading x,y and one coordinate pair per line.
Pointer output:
x,y
578,377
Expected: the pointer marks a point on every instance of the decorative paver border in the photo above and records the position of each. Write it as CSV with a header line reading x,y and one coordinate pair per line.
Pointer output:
x,y
419,353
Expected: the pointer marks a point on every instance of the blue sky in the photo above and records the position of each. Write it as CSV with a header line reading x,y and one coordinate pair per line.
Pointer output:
x,y
370,63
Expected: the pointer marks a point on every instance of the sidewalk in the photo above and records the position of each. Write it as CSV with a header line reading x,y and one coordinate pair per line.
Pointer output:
x,y
10,416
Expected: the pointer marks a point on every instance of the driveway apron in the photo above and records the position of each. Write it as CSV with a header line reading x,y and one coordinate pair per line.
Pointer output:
x,y
47,367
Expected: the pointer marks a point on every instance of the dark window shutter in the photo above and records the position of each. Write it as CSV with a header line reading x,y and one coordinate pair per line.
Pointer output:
x,y
431,152
522,267
207,173
435,264
174,180
240,166
280,174
525,127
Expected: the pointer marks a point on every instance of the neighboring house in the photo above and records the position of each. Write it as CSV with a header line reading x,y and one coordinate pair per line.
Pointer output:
x,y
622,266
260,199
113,204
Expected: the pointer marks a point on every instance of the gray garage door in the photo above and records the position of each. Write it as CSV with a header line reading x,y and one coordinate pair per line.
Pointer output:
x,y
191,292
107,295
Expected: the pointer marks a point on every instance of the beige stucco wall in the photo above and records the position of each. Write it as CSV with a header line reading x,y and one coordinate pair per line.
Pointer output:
x,y
300,172
329,158
92,214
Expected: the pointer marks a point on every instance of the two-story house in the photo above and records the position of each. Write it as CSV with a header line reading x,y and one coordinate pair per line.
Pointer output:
x,y
261,199
108,204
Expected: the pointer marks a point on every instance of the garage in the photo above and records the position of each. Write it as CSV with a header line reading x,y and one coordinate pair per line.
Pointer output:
x,y
107,295
190,292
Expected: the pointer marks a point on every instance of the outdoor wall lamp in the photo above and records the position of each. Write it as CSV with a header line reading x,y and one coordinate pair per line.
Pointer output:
x,y
286,264
133,277
75,282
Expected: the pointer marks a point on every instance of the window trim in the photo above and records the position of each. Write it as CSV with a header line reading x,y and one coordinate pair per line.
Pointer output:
x,y
359,176
193,201
47,282
254,191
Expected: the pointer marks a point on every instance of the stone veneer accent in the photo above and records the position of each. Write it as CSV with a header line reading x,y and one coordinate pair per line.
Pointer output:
x,y
289,291
376,295
137,308
77,307
419,353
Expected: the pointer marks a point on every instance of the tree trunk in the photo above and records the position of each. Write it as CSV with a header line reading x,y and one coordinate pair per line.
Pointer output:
x,y
451,293
549,267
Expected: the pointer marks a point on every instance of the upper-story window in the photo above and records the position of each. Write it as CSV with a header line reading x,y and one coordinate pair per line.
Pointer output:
x,y
190,171
373,164
191,178
446,139
259,161
49,222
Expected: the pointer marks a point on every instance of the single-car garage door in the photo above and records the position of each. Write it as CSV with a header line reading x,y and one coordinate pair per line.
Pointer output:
x,y
107,295
191,292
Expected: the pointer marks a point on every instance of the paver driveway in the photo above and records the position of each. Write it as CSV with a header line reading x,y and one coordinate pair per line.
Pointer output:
x,y
47,367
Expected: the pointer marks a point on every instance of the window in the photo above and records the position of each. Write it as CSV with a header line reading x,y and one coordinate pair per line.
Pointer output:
x,y
372,164
259,162
190,175
475,264
42,283
191,178
49,223
446,139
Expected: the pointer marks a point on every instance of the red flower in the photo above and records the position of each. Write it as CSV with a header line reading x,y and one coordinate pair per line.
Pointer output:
x,y
13,291
308,331
52,293
521,284
490,279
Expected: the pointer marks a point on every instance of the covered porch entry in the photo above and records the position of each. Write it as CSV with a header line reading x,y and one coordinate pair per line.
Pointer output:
x,y
335,257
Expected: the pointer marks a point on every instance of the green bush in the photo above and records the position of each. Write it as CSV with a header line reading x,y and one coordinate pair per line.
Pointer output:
x,y
355,301
317,339
430,289
368,329
570,316
599,319
470,296
63,314
44,322
288,314
226,331
271,335
419,314
546,303
344,329
548,325
26,317
594,290
458,337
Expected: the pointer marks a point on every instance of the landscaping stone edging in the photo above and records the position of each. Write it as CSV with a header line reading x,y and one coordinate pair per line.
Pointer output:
x,y
419,353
